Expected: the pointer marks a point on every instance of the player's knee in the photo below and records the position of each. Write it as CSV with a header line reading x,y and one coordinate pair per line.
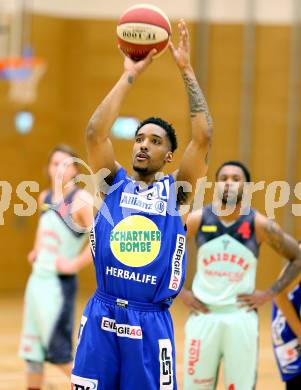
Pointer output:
x,y
34,367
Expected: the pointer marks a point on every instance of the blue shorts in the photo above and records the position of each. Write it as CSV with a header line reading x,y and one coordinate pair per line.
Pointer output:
x,y
124,345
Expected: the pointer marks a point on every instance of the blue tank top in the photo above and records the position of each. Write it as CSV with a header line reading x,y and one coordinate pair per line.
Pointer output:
x,y
286,347
138,241
226,258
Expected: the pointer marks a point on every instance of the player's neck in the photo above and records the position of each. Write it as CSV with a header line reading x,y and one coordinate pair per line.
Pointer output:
x,y
233,216
144,178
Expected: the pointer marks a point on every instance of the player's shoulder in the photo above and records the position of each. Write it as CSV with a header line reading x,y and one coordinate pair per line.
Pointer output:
x,y
82,200
196,214
194,220
42,196
82,208
120,173
260,219
199,214
83,194
265,226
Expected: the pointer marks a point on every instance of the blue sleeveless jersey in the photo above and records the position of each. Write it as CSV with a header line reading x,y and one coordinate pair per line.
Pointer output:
x,y
226,258
138,241
286,347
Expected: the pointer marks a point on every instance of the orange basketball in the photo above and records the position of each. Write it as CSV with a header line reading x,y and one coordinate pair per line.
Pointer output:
x,y
142,28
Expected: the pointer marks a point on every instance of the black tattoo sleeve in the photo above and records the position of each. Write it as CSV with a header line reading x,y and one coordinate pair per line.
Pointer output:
x,y
207,157
280,241
197,101
290,273
288,247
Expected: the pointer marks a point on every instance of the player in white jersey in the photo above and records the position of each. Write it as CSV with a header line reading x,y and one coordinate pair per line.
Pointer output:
x,y
223,321
59,251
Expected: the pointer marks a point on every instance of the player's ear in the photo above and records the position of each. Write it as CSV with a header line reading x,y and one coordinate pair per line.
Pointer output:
x,y
168,157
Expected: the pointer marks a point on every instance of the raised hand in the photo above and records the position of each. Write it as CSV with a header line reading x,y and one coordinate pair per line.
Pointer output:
x,y
181,54
137,67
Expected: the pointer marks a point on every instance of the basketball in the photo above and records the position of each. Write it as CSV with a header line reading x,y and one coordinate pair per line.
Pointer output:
x,y
142,28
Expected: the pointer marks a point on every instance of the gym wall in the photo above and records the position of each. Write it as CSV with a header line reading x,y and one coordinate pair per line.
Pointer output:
x,y
84,63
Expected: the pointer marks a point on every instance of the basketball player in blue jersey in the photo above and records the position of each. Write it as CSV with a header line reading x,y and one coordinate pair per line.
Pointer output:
x,y
286,332
223,322
50,292
126,338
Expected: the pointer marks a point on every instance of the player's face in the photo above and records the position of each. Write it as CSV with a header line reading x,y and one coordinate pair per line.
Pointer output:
x,y
151,149
230,184
60,167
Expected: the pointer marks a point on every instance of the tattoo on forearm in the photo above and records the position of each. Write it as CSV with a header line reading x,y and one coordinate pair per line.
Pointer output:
x,y
90,130
290,273
288,247
197,101
281,242
130,79
207,158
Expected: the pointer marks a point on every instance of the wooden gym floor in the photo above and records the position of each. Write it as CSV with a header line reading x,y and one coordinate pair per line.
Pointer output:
x,y
12,368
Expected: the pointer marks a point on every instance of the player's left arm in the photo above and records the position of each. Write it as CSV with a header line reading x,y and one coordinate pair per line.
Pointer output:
x,y
270,232
82,214
194,160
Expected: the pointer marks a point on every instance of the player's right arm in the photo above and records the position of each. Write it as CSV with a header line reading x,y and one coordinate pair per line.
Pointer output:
x,y
82,215
99,145
193,223
288,310
33,253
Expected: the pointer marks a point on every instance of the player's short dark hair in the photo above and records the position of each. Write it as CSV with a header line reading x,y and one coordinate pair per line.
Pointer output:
x,y
64,149
170,131
236,164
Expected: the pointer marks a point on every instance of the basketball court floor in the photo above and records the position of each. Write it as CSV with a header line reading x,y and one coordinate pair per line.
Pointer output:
x,y
12,368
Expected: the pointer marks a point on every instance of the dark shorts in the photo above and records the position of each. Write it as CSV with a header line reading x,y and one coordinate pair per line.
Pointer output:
x,y
294,384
